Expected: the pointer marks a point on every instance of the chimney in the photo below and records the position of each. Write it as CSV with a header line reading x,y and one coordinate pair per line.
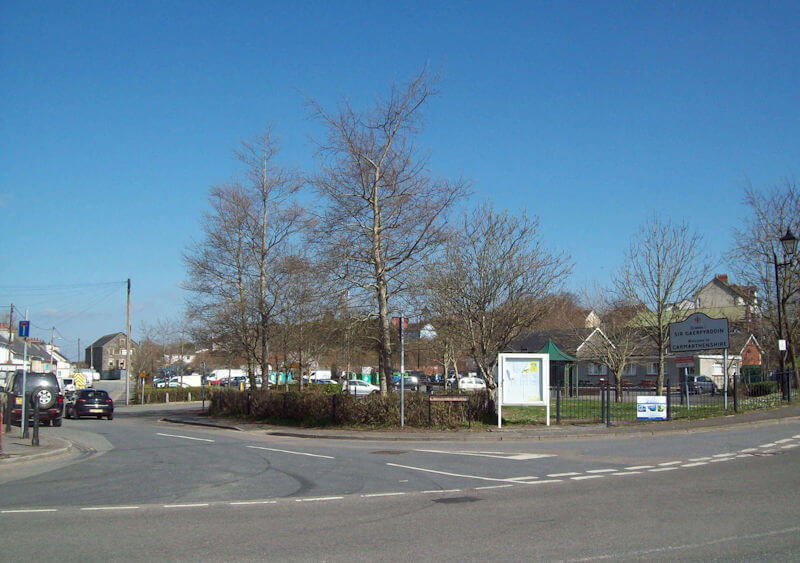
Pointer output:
x,y
723,278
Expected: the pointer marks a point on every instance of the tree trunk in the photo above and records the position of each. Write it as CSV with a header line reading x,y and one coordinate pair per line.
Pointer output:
x,y
618,382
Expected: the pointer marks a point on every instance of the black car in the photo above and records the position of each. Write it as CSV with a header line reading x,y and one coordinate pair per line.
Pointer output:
x,y
91,402
41,387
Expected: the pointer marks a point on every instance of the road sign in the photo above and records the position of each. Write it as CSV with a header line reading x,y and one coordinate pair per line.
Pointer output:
x,y
698,332
24,329
684,362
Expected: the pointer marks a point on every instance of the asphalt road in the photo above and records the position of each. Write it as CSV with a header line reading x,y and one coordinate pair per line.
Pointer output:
x,y
141,490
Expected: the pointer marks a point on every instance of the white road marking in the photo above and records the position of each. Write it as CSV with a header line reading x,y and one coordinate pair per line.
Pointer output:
x,y
723,455
636,467
317,499
582,477
110,508
663,469
745,455
373,495
787,446
290,452
528,478
184,437
493,487
668,463
695,464
796,436
570,474
437,491
185,505
545,481
783,441
767,445
699,458
27,510
749,450
602,470
719,459
246,502
498,455
623,473
450,474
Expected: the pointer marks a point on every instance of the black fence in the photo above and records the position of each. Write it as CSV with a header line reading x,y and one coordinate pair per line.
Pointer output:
x,y
605,403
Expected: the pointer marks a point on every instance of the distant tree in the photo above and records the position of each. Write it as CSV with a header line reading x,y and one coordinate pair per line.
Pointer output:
x,y
616,341
231,271
752,258
664,267
493,280
384,212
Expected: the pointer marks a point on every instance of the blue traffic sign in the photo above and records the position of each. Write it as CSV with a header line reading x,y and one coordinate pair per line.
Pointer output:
x,y
24,329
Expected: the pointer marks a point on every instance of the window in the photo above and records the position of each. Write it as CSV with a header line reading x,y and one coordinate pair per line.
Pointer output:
x,y
630,369
596,369
652,368
716,369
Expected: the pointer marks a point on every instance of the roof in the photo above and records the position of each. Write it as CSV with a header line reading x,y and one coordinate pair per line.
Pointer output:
x,y
103,340
556,355
563,339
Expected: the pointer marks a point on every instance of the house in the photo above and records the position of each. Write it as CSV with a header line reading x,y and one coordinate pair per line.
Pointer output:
x,y
109,354
39,356
719,298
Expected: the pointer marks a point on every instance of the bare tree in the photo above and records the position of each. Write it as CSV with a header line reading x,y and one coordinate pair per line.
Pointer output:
x,y
616,341
385,213
664,267
494,279
231,272
755,250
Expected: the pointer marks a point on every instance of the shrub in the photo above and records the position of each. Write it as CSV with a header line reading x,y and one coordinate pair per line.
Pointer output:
x,y
321,406
159,395
762,388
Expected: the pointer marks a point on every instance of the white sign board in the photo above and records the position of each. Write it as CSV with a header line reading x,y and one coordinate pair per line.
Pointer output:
x,y
698,332
651,407
523,380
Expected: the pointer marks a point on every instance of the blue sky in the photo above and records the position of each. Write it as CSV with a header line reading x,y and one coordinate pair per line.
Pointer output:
x,y
118,116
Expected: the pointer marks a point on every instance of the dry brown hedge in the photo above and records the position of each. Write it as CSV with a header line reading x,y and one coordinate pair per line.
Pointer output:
x,y
315,407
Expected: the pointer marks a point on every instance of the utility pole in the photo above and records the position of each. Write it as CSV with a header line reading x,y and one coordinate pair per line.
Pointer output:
x,y
79,351
10,332
52,339
24,421
128,346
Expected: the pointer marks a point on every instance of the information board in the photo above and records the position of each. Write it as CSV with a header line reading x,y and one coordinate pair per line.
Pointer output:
x,y
651,407
523,380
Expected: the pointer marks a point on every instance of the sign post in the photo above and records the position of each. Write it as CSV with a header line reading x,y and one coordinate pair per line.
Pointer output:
x,y
523,380
700,332
24,333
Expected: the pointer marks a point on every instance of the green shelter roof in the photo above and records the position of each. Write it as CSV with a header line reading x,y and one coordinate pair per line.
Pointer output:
x,y
556,355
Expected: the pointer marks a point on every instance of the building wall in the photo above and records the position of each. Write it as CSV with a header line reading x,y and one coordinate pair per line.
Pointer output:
x,y
713,295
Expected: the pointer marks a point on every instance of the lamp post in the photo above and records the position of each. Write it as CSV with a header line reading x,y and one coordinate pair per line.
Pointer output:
x,y
789,247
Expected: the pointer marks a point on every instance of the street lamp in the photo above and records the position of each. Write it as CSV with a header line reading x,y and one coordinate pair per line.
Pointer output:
x,y
789,247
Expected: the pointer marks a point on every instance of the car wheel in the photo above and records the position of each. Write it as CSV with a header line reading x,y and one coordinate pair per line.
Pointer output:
x,y
111,416
57,422
45,396
99,416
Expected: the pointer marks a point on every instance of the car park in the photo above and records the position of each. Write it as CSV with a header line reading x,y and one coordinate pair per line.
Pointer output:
x,y
471,384
359,388
90,402
41,387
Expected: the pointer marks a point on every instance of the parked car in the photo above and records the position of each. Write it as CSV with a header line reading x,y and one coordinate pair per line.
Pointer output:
x,y
360,388
323,382
43,387
91,402
471,384
698,384
410,382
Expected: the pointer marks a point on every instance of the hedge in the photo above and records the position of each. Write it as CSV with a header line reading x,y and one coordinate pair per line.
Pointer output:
x,y
762,388
160,395
318,406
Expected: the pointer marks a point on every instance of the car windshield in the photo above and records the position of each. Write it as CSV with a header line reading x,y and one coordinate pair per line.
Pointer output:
x,y
92,394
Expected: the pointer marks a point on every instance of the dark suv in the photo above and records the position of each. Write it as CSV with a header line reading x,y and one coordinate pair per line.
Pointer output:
x,y
38,386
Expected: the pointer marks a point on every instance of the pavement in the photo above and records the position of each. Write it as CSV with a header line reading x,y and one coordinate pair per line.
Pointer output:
x,y
533,432
15,449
